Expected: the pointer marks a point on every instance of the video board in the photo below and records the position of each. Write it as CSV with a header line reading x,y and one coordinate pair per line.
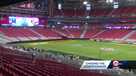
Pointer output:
x,y
23,21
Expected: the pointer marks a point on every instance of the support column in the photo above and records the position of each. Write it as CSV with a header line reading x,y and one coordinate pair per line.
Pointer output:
x,y
51,7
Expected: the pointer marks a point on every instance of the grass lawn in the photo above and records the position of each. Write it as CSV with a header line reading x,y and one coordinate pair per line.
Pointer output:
x,y
89,48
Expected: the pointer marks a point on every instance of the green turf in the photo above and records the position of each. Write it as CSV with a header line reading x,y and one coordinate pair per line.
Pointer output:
x,y
89,48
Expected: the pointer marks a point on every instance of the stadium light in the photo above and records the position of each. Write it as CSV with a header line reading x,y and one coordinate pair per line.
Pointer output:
x,y
109,1
85,2
86,23
116,5
87,17
59,6
58,22
88,7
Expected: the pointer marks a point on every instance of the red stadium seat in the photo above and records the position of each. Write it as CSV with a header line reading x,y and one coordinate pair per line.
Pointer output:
x,y
19,65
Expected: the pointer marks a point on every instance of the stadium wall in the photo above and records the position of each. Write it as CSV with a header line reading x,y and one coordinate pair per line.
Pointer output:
x,y
48,40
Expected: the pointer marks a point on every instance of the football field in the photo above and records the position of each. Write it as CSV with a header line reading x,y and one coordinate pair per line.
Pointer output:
x,y
88,48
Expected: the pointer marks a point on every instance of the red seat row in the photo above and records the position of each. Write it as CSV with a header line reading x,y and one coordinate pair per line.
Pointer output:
x,y
19,65
122,11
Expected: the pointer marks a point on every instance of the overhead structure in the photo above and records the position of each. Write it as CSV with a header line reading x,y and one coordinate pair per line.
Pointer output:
x,y
79,4
8,2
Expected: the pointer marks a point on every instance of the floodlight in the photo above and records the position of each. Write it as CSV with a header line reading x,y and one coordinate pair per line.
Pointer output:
x,y
109,1
59,6
88,7
85,2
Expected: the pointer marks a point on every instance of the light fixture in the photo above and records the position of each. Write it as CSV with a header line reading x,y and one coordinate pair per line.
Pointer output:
x,y
58,22
87,17
109,1
85,2
116,5
88,7
59,6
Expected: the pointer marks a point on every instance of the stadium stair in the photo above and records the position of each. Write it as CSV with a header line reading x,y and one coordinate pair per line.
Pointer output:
x,y
113,34
47,33
132,36
128,35
70,34
65,32
84,32
98,33
76,33
40,36
60,33
5,39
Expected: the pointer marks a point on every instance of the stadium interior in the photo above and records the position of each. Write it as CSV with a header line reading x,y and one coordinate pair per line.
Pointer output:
x,y
55,37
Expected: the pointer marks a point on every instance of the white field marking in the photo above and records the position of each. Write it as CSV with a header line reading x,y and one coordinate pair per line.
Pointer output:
x,y
123,44
39,43
76,45
127,44
107,49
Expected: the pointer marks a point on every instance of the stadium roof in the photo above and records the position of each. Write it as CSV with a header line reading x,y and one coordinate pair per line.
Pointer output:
x,y
79,3
69,4
8,2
